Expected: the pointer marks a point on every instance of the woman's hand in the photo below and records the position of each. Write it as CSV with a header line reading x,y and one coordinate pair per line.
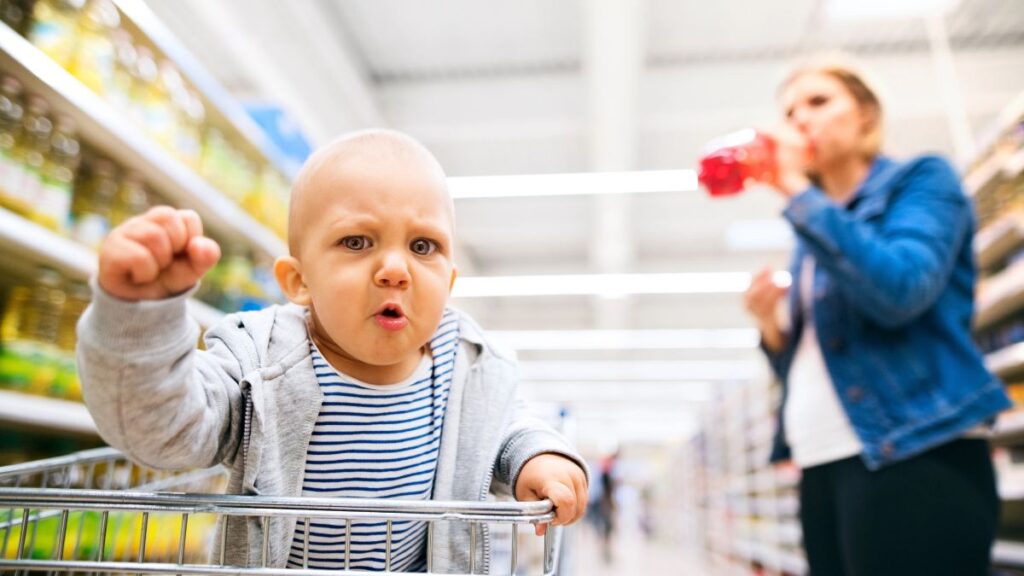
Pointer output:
x,y
761,300
793,154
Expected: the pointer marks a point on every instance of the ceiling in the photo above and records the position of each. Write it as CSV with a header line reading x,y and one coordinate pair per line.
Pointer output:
x,y
542,86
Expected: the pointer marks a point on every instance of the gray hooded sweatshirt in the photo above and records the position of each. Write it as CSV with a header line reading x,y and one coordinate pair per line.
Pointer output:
x,y
250,399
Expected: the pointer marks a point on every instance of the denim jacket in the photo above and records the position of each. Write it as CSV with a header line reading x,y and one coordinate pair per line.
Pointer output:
x,y
893,300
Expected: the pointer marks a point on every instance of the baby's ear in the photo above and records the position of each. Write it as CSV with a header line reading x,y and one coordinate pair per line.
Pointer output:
x,y
288,272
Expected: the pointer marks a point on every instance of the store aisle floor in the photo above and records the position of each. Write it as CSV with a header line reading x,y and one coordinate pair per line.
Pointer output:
x,y
632,553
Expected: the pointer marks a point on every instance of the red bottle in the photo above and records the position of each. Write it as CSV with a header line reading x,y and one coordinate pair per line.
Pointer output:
x,y
736,159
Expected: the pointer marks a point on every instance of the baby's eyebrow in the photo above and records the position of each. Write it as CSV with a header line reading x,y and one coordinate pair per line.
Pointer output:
x,y
433,229
353,220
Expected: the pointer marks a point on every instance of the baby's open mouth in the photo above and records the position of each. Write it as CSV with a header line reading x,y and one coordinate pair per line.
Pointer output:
x,y
391,317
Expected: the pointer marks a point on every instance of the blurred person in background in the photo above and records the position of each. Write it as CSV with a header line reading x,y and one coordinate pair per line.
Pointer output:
x,y
601,509
885,397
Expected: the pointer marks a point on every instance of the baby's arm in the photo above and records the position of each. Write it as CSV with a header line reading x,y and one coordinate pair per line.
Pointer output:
x,y
150,392
539,463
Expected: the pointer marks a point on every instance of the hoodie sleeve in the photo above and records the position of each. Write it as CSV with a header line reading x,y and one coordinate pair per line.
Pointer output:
x,y
526,436
152,394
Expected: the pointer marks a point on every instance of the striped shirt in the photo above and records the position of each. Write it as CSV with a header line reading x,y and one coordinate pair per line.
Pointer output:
x,y
376,441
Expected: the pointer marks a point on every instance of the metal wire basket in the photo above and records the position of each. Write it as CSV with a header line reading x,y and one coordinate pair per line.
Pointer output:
x,y
98,512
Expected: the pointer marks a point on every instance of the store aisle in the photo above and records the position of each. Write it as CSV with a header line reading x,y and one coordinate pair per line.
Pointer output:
x,y
632,553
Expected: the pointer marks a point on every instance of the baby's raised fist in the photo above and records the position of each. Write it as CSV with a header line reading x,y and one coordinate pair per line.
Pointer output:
x,y
155,255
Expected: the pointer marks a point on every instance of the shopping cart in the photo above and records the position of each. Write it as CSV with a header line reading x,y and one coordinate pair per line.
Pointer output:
x,y
97,512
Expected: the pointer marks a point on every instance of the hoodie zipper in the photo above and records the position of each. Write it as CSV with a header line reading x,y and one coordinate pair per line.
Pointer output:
x,y
246,426
485,531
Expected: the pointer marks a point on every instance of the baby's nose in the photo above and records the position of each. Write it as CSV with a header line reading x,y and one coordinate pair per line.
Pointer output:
x,y
393,271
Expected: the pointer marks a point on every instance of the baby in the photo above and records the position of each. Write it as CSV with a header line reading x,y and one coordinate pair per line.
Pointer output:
x,y
366,385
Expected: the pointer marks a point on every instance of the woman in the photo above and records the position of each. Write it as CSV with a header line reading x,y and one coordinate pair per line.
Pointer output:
x,y
885,395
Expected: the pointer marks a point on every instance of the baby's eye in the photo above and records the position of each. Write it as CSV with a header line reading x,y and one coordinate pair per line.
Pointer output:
x,y
355,243
423,247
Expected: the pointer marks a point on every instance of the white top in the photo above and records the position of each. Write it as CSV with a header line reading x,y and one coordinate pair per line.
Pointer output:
x,y
817,428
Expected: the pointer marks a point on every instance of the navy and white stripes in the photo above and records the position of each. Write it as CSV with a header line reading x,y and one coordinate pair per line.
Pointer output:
x,y
374,441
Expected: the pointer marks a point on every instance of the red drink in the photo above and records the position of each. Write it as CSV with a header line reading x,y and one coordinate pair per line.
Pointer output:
x,y
736,159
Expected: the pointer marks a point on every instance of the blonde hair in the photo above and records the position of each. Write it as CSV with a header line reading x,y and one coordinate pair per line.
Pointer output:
x,y
860,86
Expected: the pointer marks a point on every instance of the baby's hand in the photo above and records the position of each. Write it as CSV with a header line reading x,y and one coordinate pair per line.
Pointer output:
x,y
155,255
558,479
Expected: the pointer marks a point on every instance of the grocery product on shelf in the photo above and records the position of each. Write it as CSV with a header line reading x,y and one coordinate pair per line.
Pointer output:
x,y
29,332
131,199
12,194
92,210
54,28
17,14
94,59
53,203
36,130
37,336
87,39
235,284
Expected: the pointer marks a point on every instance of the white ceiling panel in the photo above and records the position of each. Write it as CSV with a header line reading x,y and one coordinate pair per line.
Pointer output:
x,y
401,38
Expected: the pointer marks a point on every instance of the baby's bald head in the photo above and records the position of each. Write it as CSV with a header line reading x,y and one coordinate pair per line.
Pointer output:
x,y
359,151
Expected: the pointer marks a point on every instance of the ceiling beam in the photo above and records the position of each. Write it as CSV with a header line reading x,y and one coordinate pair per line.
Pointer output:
x,y
613,60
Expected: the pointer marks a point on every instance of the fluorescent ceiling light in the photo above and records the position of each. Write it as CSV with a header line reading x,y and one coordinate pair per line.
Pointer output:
x,y
608,285
880,9
643,394
647,371
734,338
572,184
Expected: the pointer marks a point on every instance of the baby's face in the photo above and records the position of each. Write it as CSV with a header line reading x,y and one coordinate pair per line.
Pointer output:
x,y
376,257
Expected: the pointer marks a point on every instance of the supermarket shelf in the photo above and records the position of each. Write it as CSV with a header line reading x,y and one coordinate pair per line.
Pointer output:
x,y
1014,165
999,240
38,412
106,129
996,168
1008,362
26,243
217,98
984,175
1009,429
1002,296
1008,554
770,557
1007,117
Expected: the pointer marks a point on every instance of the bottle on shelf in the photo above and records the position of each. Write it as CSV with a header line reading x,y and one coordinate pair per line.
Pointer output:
x,y
54,28
12,194
120,91
95,55
37,132
92,208
17,14
150,98
131,199
188,141
28,334
53,206
169,109
66,384
45,310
